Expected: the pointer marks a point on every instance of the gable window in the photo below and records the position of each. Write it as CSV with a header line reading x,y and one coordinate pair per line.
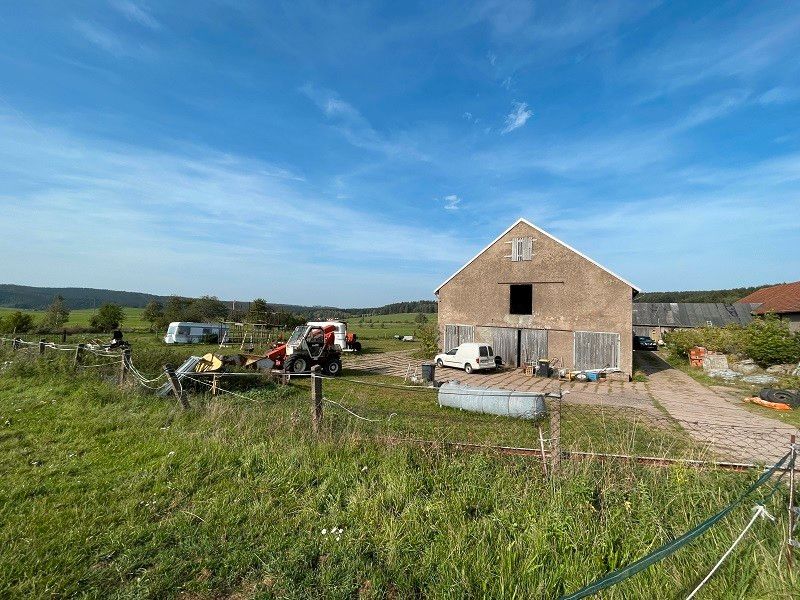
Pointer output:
x,y
521,299
521,248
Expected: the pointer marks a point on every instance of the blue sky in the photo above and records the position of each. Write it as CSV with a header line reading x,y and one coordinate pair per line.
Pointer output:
x,y
357,154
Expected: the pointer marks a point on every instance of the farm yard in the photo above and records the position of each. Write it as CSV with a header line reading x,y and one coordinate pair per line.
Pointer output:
x,y
112,491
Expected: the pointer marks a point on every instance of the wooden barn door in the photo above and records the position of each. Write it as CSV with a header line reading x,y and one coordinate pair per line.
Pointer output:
x,y
455,335
595,350
504,344
533,345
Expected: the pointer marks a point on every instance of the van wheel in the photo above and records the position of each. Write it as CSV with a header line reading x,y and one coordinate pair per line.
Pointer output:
x,y
467,368
439,363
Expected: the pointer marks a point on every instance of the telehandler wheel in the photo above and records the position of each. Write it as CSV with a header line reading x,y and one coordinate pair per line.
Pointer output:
x,y
297,364
332,368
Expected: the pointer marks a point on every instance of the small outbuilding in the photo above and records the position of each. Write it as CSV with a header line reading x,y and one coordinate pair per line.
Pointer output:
x,y
656,318
532,296
782,300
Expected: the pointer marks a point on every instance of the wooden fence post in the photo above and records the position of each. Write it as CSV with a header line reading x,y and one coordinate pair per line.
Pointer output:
x,y
79,354
176,386
41,347
64,336
125,365
555,432
16,343
316,399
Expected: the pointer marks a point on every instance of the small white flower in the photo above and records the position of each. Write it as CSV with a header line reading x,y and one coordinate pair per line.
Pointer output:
x,y
338,537
171,453
324,532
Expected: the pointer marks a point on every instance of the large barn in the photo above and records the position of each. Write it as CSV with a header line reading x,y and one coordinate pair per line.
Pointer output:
x,y
532,296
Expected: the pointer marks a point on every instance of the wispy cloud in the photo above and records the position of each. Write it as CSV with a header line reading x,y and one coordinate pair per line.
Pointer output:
x,y
110,41
136,13
355,127
451,202
517,117
148,214
779,95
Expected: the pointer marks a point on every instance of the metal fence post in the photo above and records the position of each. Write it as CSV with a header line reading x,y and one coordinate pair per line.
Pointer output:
x,y
555,432
41,347
176,386
79,354
792,543
16,343
316,399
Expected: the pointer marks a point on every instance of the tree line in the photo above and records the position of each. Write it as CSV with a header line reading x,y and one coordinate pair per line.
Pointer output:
x,y
107,318
210,309
729,296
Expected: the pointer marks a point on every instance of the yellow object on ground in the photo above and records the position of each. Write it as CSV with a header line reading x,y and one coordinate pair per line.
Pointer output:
x,y
208,363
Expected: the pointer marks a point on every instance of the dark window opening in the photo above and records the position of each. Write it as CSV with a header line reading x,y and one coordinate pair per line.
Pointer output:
x,y
521,299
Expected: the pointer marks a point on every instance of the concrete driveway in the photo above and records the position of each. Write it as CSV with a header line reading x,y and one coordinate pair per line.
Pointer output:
x,y
713,418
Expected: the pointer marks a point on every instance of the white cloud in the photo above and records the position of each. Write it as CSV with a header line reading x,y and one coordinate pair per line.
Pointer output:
x,y
507,82
109,41
451,202
136,13
517,117
130,217
355,128
779,95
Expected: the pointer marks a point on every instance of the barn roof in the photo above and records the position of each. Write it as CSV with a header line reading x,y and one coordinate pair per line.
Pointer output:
x,y
542,231
782,298
690,314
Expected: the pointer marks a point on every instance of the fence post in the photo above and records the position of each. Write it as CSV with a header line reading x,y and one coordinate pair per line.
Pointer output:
x,y
16,343
41,347
63,336
176,386
555,432
79,354
316,399
792,508
125,365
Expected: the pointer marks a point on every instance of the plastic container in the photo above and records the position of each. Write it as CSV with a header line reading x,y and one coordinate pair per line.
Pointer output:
x,y
428,372
591,376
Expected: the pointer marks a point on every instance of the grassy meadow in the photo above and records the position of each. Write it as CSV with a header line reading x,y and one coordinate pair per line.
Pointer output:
x,y
82,317
113,493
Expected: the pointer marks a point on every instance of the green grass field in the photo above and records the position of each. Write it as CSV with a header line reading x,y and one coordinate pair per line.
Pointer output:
x,y
112,493
82,317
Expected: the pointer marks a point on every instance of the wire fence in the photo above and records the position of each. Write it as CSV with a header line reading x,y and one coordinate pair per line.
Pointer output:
x,y
575,425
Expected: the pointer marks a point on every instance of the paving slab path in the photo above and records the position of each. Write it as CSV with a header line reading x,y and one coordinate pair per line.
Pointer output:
x,y
714,417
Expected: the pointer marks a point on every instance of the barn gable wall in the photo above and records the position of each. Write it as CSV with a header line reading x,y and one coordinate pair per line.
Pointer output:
x,y
570,293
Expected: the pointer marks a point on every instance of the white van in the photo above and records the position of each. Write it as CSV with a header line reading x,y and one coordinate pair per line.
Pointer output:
x,y
470,356
183,332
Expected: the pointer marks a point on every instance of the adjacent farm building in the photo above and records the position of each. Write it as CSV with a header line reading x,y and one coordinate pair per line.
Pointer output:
x,y
532,296
782,300
656,318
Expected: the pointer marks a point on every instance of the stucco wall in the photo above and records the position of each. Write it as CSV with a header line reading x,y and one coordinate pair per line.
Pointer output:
x,y
569,294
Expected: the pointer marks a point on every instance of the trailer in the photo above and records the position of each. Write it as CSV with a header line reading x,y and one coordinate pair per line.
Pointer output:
x,y
185,332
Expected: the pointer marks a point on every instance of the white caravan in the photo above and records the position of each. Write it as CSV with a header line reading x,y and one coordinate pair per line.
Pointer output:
x,y
183,332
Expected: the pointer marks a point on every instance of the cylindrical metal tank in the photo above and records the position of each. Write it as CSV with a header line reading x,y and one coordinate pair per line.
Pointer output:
x,y
506,403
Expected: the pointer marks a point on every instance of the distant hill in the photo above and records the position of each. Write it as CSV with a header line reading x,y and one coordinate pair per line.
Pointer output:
x,y
726,296
39,298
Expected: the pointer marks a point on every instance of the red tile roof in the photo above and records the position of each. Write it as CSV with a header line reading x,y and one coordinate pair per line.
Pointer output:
x,y
784,298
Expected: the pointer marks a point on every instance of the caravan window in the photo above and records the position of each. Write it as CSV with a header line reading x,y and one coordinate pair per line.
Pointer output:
x,y
183,330
206,331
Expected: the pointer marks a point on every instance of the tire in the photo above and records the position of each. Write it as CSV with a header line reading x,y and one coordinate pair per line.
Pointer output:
x,y
467,368
357,346
783,396
439,363
333,368
297,364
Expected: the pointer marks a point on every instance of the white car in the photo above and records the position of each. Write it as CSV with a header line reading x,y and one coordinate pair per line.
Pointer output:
x,y
471,356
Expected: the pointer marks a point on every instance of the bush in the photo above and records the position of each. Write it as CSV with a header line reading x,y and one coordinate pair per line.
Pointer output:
x,y
428,335
729,339
17,322
108,317
768,341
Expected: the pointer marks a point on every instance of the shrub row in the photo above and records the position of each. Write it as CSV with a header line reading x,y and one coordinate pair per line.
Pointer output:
x,y
767,341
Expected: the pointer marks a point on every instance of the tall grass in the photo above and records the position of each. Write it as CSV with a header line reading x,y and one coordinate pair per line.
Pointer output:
x,y
111,493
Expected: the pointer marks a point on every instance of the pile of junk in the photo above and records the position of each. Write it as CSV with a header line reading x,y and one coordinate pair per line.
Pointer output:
x,y
545,367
